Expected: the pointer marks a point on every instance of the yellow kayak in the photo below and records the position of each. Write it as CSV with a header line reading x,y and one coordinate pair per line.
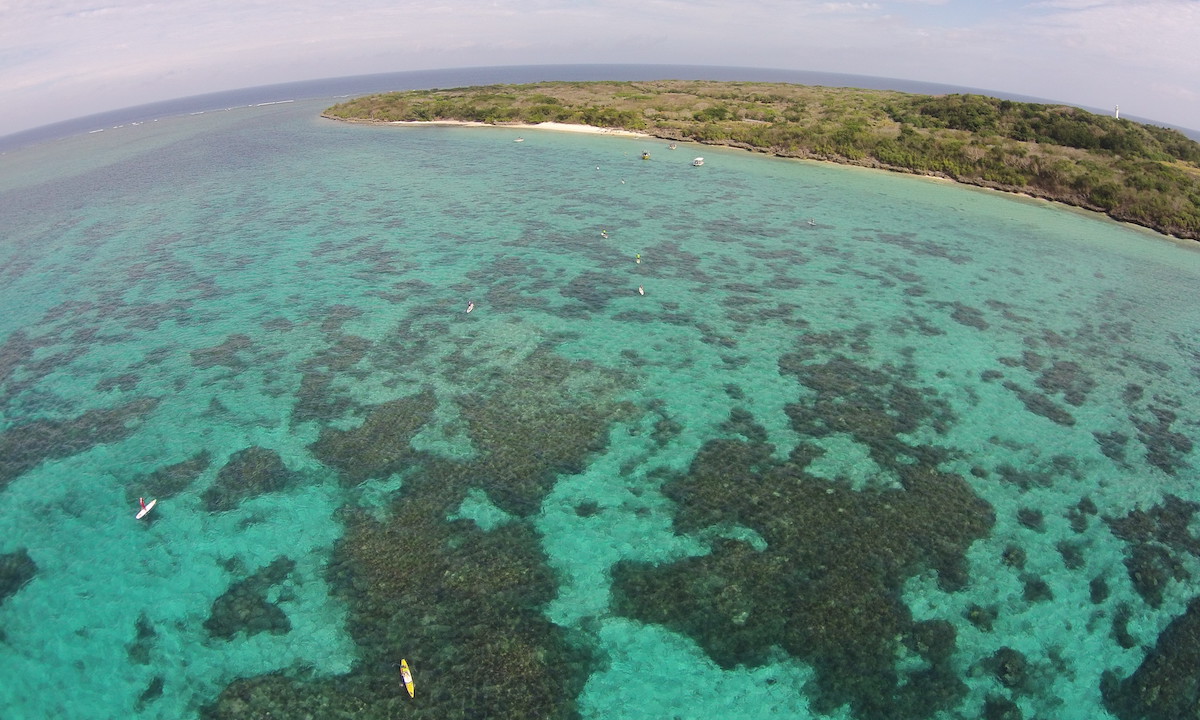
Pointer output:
x,y
406,676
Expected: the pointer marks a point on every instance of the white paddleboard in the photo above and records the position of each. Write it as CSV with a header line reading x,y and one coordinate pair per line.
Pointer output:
x,y
146,508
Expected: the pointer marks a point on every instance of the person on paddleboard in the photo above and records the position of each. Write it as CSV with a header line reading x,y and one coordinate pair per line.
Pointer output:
x,y
470,305
146,507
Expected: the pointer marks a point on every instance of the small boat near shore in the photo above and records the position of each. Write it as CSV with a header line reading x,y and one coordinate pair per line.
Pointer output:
x,y
697,162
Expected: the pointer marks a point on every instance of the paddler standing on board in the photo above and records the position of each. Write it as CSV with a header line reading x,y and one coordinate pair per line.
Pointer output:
x,y
146,507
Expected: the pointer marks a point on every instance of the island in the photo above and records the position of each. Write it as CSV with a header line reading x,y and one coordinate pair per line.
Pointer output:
x,y
1133,172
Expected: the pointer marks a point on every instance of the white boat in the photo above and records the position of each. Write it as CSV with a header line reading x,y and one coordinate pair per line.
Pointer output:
x,y
697,162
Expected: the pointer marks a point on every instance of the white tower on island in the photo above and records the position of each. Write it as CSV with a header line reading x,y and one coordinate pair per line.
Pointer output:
x,y
1117,112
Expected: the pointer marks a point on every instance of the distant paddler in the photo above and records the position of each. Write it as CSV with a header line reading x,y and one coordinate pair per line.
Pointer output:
x,y
603,233
406,677
641,291
146,507
638,258
470,305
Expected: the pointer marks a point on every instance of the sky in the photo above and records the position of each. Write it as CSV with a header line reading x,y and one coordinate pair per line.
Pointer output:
x,y
61,59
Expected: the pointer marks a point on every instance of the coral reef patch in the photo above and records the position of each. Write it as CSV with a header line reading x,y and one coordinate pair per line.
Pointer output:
x,y
143,642
169,481
24,447
1165,448
380,445
16,569
244,607
827,589
421,582
226,354
248,473
1039,404
446,595
1156,537
1165,686
874,406
543,420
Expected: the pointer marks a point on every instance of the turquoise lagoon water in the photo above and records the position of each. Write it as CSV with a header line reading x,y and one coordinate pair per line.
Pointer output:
x,y
925,456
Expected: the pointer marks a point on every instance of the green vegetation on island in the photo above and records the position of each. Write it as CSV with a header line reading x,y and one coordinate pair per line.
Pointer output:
x,y
1133,172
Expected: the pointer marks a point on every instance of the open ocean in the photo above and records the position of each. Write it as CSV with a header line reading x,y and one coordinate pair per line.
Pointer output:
x,y
869,446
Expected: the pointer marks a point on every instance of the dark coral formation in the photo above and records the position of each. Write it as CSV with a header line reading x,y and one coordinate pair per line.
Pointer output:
x,y
1078,515
1120,626
875,406
1035,589
1013,556
244,607
1032,476
143,642
1039,404
16,569
1166,685
20,371
24,447
169,481
827,588
542,421
1165,448
1151,568
1000,708
464,605
1153,535
1068,378
969,316
981,617
227,354
1009,667
152,692
380,446
1112,444
1072,554
1032,518
461,602
318,399
248,473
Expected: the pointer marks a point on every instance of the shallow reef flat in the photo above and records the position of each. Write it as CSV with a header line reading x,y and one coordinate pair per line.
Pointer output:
x,y
928,455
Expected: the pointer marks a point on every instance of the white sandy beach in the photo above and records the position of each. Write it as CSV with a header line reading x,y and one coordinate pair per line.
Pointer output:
x,y
562,127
